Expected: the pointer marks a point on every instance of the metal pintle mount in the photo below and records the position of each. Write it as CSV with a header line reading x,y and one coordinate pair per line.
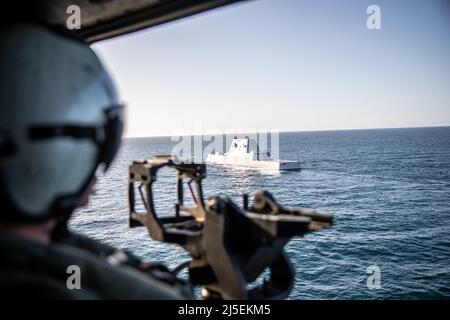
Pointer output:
x,y
230,246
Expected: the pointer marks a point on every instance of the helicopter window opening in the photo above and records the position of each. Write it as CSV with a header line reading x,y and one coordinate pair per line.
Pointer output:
x,y
266,74
315,68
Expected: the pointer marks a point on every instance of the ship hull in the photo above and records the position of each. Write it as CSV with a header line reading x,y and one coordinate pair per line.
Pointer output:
x,y
248,162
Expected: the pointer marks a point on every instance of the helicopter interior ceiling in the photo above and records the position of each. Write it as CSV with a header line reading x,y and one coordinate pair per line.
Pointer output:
x,y
103,19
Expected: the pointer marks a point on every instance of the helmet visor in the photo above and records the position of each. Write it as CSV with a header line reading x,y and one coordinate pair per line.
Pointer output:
x,y
107,137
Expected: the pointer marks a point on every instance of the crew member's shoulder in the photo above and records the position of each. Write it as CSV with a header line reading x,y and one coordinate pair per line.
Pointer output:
x,y
49,267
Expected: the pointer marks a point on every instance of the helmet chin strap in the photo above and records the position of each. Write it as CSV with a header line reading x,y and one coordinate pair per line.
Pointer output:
x,y
66,206
60,230
63,214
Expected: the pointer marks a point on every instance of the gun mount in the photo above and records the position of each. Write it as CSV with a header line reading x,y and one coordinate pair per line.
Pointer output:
x,y
230,246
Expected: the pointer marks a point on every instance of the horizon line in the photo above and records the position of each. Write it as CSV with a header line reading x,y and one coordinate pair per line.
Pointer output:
x,y
287,131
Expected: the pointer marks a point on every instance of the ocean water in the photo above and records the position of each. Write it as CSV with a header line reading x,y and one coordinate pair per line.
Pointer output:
x,y
388,189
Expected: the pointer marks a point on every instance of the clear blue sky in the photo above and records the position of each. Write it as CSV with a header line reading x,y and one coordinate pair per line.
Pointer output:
x,y
288,65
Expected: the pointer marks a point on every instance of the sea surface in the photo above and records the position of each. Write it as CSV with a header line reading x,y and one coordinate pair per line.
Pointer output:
x,y
388,189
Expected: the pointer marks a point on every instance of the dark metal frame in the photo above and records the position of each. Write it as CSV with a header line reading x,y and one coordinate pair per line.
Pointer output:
x,y
230,246
164,12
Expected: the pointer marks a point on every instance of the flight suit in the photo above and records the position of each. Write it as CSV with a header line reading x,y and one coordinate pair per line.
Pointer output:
x,y
29,269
